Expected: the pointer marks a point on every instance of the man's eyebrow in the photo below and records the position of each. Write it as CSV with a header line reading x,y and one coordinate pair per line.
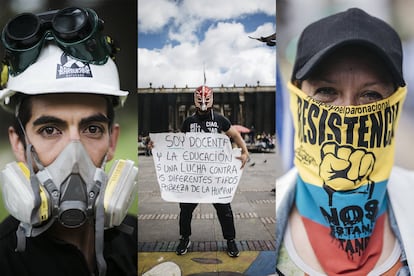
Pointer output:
x,y
47,120
57,121
94,118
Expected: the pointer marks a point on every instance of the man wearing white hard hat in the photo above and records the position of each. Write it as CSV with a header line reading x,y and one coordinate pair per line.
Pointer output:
x,y
68,215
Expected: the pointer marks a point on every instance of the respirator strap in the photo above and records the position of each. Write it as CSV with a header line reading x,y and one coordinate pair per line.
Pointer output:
x,y
99,240
33,180
99,227
21,239
25,230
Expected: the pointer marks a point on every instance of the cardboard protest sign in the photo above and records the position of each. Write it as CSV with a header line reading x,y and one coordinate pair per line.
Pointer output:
x,y
196,167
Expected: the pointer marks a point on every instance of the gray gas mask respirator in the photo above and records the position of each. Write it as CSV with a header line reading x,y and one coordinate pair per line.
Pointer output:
x,y
71,190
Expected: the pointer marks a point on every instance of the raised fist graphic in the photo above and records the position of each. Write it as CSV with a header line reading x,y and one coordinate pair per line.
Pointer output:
x,y
344,168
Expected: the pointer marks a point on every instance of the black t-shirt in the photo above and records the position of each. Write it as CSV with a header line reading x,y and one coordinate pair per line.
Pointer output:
x,y
210,122
45,256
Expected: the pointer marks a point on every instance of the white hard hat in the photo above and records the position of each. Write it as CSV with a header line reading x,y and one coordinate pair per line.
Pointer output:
x,y
56,72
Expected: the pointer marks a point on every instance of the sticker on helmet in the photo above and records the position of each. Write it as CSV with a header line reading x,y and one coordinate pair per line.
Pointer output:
x,y
72,68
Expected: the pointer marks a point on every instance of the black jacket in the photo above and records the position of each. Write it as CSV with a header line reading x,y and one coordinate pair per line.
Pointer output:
x,y
45,256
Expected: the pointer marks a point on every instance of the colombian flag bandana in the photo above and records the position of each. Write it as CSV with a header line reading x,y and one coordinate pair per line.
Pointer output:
x,y
344,156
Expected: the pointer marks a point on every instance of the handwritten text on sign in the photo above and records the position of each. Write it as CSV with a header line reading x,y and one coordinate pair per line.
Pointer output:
x,y
196,167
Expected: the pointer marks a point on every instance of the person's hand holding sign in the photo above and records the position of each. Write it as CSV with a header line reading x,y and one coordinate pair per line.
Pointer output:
x,y
235,135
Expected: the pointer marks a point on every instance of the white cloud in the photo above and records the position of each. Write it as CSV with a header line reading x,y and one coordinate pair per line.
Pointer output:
x,y
227,53
153,15
219,9
230,57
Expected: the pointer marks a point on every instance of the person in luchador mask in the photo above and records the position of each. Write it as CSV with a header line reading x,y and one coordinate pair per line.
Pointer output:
x,y
205,119
344,208
68,216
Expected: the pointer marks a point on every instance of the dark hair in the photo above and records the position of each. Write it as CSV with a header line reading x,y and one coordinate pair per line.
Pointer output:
x,y
24,113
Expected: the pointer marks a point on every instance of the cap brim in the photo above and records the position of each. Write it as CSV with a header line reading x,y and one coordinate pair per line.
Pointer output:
x,y
315,60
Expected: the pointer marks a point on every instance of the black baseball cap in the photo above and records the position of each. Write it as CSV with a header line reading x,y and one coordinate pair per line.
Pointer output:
x,y
351,27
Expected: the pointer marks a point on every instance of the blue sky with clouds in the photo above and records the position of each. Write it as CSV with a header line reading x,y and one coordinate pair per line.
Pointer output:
x,y
177,39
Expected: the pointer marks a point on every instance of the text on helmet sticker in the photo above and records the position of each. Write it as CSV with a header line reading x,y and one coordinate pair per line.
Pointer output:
x,y
72,68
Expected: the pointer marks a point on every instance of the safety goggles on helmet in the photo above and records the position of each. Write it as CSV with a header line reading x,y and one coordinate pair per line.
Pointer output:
x,y
76,31
203,97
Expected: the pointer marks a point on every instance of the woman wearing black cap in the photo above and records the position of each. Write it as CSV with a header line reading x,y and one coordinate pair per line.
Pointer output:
x,y
343,210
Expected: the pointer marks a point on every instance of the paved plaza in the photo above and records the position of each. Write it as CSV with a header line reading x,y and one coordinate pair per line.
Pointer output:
x,y
253,208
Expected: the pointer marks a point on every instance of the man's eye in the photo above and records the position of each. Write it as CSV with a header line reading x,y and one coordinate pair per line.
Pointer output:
x,y
49,131
94,131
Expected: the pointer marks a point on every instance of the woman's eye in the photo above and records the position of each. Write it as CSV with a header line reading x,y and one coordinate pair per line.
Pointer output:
x,y
371,96
325,94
